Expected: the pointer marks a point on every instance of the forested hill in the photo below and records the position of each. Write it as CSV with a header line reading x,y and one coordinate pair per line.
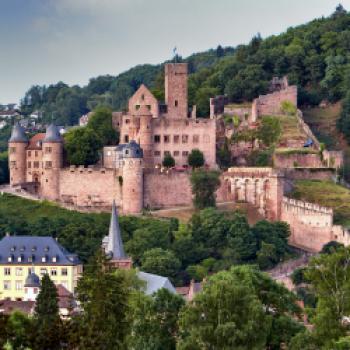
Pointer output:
x,y
315,56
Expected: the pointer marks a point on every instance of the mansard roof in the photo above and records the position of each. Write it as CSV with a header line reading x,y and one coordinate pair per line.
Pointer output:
x,y
52,134
115,246
24,250
18,134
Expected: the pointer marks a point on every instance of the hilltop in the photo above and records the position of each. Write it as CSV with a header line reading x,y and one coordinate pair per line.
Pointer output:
x,y
313,56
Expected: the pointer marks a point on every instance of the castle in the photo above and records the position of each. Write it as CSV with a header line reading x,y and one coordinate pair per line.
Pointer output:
x,y
130,173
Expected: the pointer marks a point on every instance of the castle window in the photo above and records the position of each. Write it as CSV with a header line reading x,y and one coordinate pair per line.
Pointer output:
x,y
48,165
127,121
12,149
29,164
36,153
206,138
149,107
176,153
13,163
184,138
176,103
142,97
166,153
126,138
195,138
166,138
48,149
137,107
157,153
176,138
184,153
36,164
29,153
7,271
157,138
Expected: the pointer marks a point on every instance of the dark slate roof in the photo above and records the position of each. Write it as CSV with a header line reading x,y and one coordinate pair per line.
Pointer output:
x,y
18,134
155,282
132,150
52,134
32,249
32,280
114,242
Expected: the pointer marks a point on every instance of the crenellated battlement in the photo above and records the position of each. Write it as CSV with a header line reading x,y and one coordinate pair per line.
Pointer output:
x,y
81,169
302,207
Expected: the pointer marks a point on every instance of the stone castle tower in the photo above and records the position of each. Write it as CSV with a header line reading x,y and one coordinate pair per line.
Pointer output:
x,y
132,170
52,163
176,90
17,155
146,135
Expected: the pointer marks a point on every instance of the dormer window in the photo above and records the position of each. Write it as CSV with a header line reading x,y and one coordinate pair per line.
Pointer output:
x,y
13,248
20,258
54,258
44,259
22,249
10,258
47,248
33,248
31,258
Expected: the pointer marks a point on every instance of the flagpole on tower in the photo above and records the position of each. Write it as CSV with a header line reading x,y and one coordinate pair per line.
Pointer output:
x,y
175,53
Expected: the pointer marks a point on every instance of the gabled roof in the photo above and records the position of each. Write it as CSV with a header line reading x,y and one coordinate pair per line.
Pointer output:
x,y
9,306
35,143
155,282
114,243
24,250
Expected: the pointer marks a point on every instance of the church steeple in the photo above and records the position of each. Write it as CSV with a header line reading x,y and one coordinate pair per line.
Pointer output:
x,y
115,244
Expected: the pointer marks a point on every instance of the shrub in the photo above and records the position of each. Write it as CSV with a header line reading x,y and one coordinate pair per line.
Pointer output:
x,y
168,161
288,108
196,158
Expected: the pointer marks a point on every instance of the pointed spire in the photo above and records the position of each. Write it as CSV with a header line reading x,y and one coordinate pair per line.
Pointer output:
x,y
115,243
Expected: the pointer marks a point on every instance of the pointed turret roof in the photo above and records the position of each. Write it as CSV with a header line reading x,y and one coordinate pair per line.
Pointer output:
x,y
18,134
115,243
52,134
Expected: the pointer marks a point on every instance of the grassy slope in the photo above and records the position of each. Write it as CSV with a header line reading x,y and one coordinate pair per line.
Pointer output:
x,y
328,194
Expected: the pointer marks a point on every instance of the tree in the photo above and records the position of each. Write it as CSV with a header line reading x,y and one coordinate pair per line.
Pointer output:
x,y
82,146
225,315
46,316
154,321
160,262
329,275
101,123
343,123
196,158
204,184
19,329
168,161
104,296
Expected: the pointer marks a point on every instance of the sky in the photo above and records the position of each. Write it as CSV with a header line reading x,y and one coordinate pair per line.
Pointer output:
x,y
46,41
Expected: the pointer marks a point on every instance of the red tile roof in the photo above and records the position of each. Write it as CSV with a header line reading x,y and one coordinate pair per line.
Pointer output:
x,y
8,306
33,142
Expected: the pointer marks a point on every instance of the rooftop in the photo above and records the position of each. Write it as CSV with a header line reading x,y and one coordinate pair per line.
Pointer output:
x,y
26,250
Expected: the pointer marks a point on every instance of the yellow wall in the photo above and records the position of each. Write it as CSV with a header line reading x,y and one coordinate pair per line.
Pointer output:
x,y
69,281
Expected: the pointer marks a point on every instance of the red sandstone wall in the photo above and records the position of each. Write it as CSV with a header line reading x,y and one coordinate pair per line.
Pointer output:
x,y
167,190
297,160
87,187
271,103
308,174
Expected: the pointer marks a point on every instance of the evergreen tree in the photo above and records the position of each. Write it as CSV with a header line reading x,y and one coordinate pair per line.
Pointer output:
x,y
168,161
103,294
46,317
196,158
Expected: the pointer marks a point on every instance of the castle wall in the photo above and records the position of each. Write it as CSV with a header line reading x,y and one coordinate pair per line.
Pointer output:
x,y
293,160
311,225
86,187
17,162
308,174
270,104
167,190
143,97
179,137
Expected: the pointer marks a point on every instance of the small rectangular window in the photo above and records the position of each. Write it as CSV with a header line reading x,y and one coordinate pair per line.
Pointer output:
x,y
12,149
13,163
48,164
166,153
157,153
53,272
7,285
48,149
126,138
29,153
36,164
127,121
36,153
19,285
157,138
184,138
195,138
29,165
43,271
176,153
166,138
19,271
176,138
64,271
176,103
184,153
7,271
